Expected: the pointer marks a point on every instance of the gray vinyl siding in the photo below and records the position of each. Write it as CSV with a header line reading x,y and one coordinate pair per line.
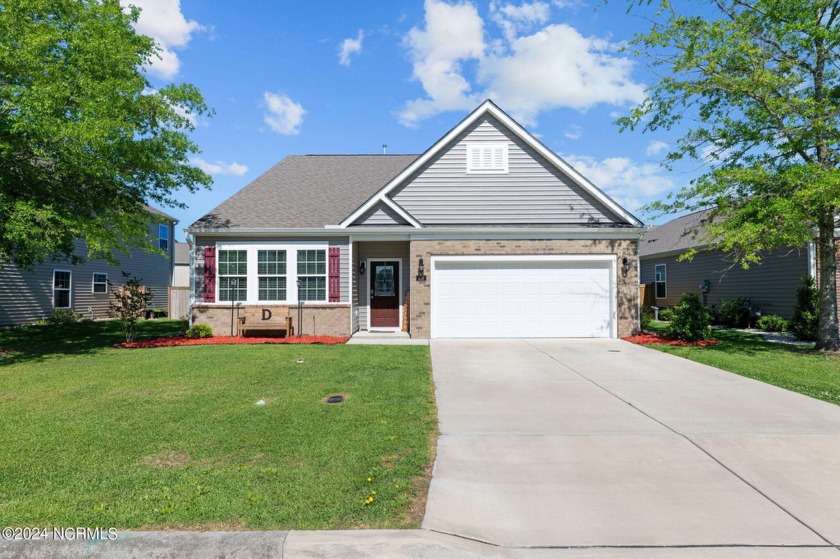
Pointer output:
x,y
354,290
441,192
26,297
771,286
207,241
380,214
379,249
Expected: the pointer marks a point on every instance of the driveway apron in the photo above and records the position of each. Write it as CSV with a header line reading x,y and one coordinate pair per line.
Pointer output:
x,y
601,443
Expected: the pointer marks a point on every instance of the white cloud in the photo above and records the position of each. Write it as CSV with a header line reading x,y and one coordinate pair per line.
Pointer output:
x,y
220,167
573,132
349,47
553,67
656,147
630,183
165,23
284,115
515,19
453,33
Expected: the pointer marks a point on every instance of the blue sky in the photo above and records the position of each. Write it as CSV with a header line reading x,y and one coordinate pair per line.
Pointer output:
x,y
346,77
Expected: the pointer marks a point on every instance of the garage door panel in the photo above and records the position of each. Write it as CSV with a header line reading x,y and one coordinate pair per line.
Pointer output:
x,y
480,298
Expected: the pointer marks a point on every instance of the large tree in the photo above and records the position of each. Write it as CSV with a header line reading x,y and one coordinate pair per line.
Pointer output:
x,y
754,89
85,141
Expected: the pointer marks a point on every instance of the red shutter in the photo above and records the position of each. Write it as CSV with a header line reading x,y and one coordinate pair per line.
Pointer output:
x,y
335,275
209,274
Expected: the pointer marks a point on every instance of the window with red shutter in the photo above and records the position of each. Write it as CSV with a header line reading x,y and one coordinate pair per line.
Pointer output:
x,y
209,274
335,275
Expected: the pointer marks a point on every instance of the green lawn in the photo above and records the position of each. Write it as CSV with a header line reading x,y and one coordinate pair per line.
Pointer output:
x,y
171,437
794,368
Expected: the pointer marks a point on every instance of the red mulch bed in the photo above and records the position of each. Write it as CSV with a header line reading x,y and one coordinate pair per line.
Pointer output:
x,y
216,340
659,339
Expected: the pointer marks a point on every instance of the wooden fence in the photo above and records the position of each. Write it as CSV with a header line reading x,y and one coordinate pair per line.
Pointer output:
x,y
179,302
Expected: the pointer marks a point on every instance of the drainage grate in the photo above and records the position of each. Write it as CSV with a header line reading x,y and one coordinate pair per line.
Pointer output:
x,y
335,399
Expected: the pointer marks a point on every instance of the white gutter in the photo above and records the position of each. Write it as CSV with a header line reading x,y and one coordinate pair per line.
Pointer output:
x,y
433,233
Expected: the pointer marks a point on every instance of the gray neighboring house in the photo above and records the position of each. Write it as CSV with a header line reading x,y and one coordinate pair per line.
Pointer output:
x,y
26,297
487,234
181,265
770,286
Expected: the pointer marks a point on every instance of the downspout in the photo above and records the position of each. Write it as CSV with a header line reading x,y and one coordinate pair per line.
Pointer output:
x,y
812,260
191,242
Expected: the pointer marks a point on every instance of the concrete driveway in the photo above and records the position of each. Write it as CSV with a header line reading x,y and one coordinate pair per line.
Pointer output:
x,y
601,443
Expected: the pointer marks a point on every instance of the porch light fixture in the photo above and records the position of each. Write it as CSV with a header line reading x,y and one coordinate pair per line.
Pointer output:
x,y
625,266
421,271
362,268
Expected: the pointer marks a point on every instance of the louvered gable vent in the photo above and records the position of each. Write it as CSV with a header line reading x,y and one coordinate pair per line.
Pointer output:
x,y
487,158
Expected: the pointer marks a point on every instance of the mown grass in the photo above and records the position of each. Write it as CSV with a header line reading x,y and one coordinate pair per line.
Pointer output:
x,y
172,437
794,368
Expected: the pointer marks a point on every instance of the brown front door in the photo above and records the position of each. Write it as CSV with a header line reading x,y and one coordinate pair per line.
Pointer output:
x,y
384,294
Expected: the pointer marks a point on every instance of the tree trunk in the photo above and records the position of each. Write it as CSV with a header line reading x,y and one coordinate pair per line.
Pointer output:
x,y
827,335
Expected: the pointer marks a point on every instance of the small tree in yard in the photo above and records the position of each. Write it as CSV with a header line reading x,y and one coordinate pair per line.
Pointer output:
x,y
130,303
806,315
691,319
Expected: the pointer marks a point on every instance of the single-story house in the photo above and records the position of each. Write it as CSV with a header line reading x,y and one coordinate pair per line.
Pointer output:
x,y
771,286
486,234
26,297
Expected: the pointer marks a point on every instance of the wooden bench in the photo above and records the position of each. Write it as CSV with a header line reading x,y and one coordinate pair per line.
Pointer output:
x,y
246,326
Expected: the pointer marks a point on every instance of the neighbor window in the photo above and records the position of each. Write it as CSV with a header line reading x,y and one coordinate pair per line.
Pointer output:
x,y
487,158
163,237
100,283
61,289
312,275
660,279
271,272
233,275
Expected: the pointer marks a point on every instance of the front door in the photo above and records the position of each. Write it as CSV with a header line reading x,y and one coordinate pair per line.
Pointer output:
x,y
384,294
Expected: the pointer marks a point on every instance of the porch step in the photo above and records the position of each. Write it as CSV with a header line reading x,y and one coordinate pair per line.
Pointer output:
x,y
384,337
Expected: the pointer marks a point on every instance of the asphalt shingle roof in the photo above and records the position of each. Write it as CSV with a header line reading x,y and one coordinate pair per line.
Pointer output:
x,y
678,234
306,191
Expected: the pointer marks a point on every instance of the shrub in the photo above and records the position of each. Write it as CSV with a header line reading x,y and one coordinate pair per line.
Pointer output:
x,y
806,315
200,331
772,323
64,316
666,314
646,318
130,302
691,319
734,313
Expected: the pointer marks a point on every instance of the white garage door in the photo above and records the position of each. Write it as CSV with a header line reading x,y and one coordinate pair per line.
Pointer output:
x,y
482,297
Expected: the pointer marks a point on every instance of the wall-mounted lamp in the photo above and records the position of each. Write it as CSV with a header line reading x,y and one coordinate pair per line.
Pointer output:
x,y
362,268
421,271
625,266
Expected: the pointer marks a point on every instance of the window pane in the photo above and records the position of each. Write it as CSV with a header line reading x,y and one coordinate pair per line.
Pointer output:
x,y
271,262
62,298
233,288
100,283
61,280
312,262
313,289
272,289
660,290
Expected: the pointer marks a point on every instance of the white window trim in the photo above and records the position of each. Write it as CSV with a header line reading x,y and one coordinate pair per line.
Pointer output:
x,y
291,270
69,289
367,276
665,283
488,145
258,276
93,283
610,259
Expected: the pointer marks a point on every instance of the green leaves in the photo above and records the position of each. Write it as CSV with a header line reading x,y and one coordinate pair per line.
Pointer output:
x,y
85,142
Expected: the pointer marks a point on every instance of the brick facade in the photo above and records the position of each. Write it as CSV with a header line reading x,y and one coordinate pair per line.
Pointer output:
x,y
321,320
627,286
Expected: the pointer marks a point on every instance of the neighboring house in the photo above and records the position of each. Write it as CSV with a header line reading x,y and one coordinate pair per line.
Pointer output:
x,y
181,265
486,234
771,286
26,297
